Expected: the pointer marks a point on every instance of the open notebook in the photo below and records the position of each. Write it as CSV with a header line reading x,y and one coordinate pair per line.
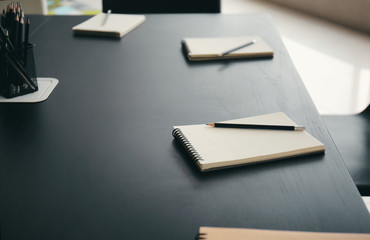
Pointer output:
x,y
213,148
199,49
214,233
116,25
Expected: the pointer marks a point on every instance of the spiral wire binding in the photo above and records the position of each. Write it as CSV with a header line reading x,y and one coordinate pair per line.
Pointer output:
x,y
180,137
201,236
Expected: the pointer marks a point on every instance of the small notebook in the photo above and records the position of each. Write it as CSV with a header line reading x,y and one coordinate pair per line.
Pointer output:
x,y
213,148
199,49
116,25
214,233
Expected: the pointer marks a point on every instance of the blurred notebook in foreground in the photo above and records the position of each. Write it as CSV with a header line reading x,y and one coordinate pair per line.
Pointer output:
x,y
213,148
199,49
213,233
116,25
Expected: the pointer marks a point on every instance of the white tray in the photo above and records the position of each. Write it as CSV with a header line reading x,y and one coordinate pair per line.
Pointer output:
x,y
46,87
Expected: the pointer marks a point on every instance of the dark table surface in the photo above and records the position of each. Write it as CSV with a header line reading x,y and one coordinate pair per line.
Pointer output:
x,y
97,159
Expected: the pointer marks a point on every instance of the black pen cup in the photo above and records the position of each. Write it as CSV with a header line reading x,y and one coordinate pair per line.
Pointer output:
x,y
18,72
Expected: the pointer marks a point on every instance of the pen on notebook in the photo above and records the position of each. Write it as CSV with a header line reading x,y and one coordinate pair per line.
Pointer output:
x,y
106,17
258,126
237,48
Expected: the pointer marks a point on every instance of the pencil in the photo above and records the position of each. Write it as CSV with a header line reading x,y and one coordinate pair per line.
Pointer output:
x,y
20,33
27,32
3,18
237,48
257,126
16,31
106,17
8,44
26,36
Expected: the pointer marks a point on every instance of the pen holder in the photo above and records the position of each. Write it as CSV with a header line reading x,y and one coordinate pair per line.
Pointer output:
x,y
17,72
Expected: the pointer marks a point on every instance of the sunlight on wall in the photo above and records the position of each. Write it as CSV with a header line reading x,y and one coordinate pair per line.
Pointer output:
x,y
347,85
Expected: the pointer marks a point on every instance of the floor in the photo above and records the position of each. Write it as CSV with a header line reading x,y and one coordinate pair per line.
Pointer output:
x,y
333,61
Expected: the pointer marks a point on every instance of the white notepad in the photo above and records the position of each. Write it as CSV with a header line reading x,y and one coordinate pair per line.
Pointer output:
x,y
214,148
117,25
216,233
209,48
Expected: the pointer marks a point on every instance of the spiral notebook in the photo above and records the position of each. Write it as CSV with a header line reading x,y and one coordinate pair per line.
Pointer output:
x,y
215,233
200,49
214,148
116,25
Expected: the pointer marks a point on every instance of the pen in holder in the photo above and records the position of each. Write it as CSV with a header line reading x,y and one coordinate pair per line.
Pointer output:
x,y
17,64
18,72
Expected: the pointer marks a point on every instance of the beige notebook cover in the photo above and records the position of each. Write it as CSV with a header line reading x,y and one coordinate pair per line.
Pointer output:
x,y
117,25
213,233
214,148
209,48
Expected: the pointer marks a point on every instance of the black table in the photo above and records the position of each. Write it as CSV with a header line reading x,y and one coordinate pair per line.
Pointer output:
x,y
97,159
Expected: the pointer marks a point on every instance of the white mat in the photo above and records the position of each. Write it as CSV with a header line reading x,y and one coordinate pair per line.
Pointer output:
x,y
46,87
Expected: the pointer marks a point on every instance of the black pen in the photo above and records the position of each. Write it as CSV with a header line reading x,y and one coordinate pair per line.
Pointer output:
x,y
237,48
257,126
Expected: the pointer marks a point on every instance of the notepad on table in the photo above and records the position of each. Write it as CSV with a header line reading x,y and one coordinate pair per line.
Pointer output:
x,y
117,25
213,148
199,49
215,233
